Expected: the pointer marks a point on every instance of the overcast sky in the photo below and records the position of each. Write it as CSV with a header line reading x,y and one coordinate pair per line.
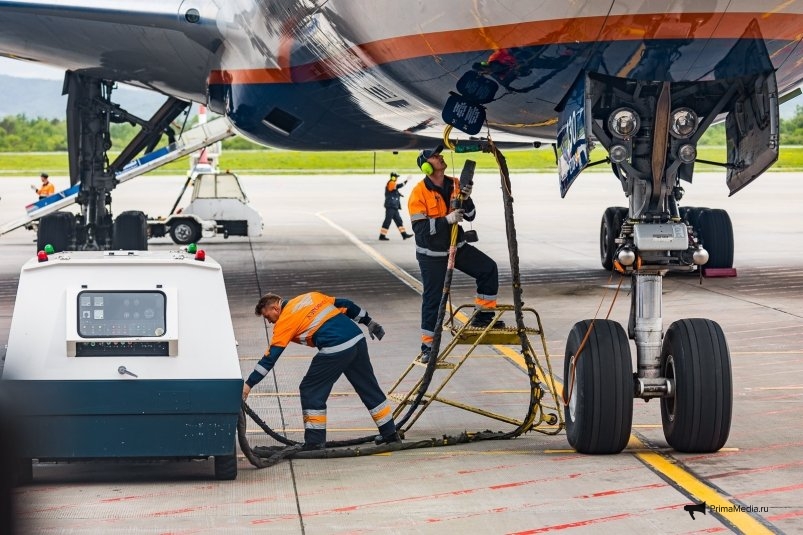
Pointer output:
x,y
29,69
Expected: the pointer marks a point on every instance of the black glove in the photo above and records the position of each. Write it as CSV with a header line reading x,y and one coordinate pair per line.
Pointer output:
x,y
375,330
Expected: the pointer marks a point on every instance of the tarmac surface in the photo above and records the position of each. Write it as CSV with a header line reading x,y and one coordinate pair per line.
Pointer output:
x,y
321,233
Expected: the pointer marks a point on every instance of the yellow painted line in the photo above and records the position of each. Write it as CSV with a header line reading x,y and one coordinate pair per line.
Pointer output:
x,y
292,394
701,491
518,359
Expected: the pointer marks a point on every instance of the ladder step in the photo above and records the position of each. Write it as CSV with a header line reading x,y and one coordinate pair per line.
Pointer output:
x,y
440,365
399,398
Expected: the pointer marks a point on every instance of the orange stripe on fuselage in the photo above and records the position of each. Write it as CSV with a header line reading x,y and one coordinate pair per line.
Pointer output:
x,y
775,26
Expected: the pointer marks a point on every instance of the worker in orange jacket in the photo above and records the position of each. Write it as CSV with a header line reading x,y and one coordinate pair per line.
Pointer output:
x,y
328,323
392,206
432,216
46,189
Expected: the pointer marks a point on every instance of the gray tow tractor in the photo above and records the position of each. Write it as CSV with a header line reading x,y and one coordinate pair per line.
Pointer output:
x,y
218,205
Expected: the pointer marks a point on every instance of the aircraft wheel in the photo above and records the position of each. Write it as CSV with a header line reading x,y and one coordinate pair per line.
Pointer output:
x,y
185,231
56,229
610,227
225,467
716,233
599,414
695,356
130,231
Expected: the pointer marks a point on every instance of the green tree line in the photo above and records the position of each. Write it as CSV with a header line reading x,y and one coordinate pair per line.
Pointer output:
x,y
19,133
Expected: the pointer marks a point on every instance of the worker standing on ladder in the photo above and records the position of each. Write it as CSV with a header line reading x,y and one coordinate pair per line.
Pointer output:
x,y
432,214
318,320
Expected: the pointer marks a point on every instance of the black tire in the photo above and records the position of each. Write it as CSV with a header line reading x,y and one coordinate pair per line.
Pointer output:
x,y
56,229
715,231
185,231
225,467
599,414
691,214
610,227
130,231
695,355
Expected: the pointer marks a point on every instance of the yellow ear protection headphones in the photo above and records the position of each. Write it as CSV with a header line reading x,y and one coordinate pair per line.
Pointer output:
x,y
427,168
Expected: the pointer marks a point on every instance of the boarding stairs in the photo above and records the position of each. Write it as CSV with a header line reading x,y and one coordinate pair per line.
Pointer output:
x,y
194,139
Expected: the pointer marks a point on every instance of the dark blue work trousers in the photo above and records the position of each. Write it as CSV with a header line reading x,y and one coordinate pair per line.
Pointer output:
x,y
470,261
324,370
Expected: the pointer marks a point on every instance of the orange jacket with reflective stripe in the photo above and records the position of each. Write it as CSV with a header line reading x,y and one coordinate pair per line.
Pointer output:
x,y
428,206
301,317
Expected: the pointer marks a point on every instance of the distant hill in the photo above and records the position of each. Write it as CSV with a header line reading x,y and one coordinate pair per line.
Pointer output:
x,y
42,98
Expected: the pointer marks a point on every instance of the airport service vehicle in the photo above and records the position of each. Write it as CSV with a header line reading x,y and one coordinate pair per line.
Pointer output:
x,y
124,355
218,206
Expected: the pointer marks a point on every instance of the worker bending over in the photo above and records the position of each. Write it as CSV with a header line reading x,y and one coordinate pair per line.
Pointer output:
x,y
318,320
432,216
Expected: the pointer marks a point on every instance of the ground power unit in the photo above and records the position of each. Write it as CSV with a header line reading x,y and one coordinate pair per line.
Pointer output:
x,y
123,355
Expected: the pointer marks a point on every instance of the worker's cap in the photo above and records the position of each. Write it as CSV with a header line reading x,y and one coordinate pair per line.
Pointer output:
x,y
426,154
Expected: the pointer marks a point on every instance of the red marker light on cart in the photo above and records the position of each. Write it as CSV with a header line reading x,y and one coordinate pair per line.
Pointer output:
x,y
200,255
42,256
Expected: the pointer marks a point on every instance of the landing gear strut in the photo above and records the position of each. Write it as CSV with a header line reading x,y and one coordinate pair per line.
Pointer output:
x,y
90,114
650,130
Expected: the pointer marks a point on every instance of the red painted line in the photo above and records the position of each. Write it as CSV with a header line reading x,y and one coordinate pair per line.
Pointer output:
x,y
572,525
430,497
622,491
762,449
488,469
785,516
775,490
755,470
775,26
177,511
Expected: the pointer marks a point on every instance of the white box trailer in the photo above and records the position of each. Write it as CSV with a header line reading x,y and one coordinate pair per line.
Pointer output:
x,y
124,354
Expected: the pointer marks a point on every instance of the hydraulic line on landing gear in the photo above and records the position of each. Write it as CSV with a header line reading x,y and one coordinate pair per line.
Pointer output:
x,y
262,457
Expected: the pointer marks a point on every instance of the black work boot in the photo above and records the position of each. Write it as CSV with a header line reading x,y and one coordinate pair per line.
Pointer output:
x,y
382,237
406,236
313,446
482,319
425,351
390,439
